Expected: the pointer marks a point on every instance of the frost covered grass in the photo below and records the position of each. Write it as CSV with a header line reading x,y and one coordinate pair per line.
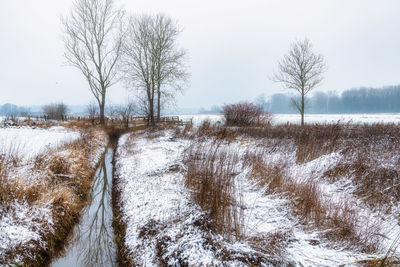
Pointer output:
x,y
41,194
162,225
340,180
318,195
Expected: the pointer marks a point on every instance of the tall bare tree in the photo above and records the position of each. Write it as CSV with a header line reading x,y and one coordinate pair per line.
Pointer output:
x,y
137,64
301,70
171,71
93,39
152,62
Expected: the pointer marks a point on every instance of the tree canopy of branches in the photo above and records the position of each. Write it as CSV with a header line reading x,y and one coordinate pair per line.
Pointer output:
x,y
93,39
301,70
152,62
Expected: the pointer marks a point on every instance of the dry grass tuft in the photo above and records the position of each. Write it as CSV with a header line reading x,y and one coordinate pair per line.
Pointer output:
x,y
273,243
208,129
58,165
211,179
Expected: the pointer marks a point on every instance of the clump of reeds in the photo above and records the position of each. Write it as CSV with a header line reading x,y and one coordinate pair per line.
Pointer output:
x,y
211,172
339,220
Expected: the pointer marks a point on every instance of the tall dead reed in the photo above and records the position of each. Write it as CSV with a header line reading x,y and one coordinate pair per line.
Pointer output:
x,y
211,172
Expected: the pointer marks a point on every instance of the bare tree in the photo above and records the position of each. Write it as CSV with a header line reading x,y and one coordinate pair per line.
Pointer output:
x,y
137,63
301,70
152,62
125,112
56,111
93,39
92,109
171,72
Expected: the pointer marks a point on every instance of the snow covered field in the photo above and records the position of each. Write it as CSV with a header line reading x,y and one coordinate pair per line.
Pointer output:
x,y
310,118
27,142
164,225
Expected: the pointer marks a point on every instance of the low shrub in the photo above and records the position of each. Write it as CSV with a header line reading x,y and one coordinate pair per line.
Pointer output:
x,y
244,114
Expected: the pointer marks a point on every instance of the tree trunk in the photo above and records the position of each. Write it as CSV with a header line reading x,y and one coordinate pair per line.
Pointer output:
x,y
151,111
302,108
158,104
102,121
101,106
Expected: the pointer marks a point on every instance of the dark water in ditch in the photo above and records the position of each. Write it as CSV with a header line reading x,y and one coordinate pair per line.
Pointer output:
x,y
92,243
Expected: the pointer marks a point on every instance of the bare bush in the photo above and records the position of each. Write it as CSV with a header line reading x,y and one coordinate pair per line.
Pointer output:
x,y
242,114
55,111
93,110
125,112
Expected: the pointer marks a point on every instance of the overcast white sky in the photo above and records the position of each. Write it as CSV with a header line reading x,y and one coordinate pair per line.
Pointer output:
x,y
233,47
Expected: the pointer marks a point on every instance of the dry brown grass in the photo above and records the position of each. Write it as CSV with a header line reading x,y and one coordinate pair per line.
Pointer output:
x,y
66,176
273,243
315,211
211,179
370,161
370,154
216,130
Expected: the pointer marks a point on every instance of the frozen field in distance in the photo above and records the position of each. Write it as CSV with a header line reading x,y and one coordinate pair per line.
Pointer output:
x,y
310,118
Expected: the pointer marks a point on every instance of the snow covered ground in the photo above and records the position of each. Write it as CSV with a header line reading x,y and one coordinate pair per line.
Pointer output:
x,y
163,221
27,142
163,225
309,118
28,219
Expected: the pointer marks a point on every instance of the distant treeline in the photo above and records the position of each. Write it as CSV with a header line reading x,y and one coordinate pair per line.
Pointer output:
x,y
357,100
12,110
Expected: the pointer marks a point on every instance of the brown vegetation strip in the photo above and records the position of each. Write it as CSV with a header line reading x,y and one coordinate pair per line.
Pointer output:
x,y
65,183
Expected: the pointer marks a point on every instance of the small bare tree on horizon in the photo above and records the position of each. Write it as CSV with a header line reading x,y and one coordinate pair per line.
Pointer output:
x,y
301,70
93,39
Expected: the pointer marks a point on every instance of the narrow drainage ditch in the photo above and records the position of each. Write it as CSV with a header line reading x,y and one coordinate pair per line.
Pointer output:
x,y
92,242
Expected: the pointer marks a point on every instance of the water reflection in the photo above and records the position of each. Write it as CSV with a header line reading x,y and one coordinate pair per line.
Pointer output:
x,y
92,243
